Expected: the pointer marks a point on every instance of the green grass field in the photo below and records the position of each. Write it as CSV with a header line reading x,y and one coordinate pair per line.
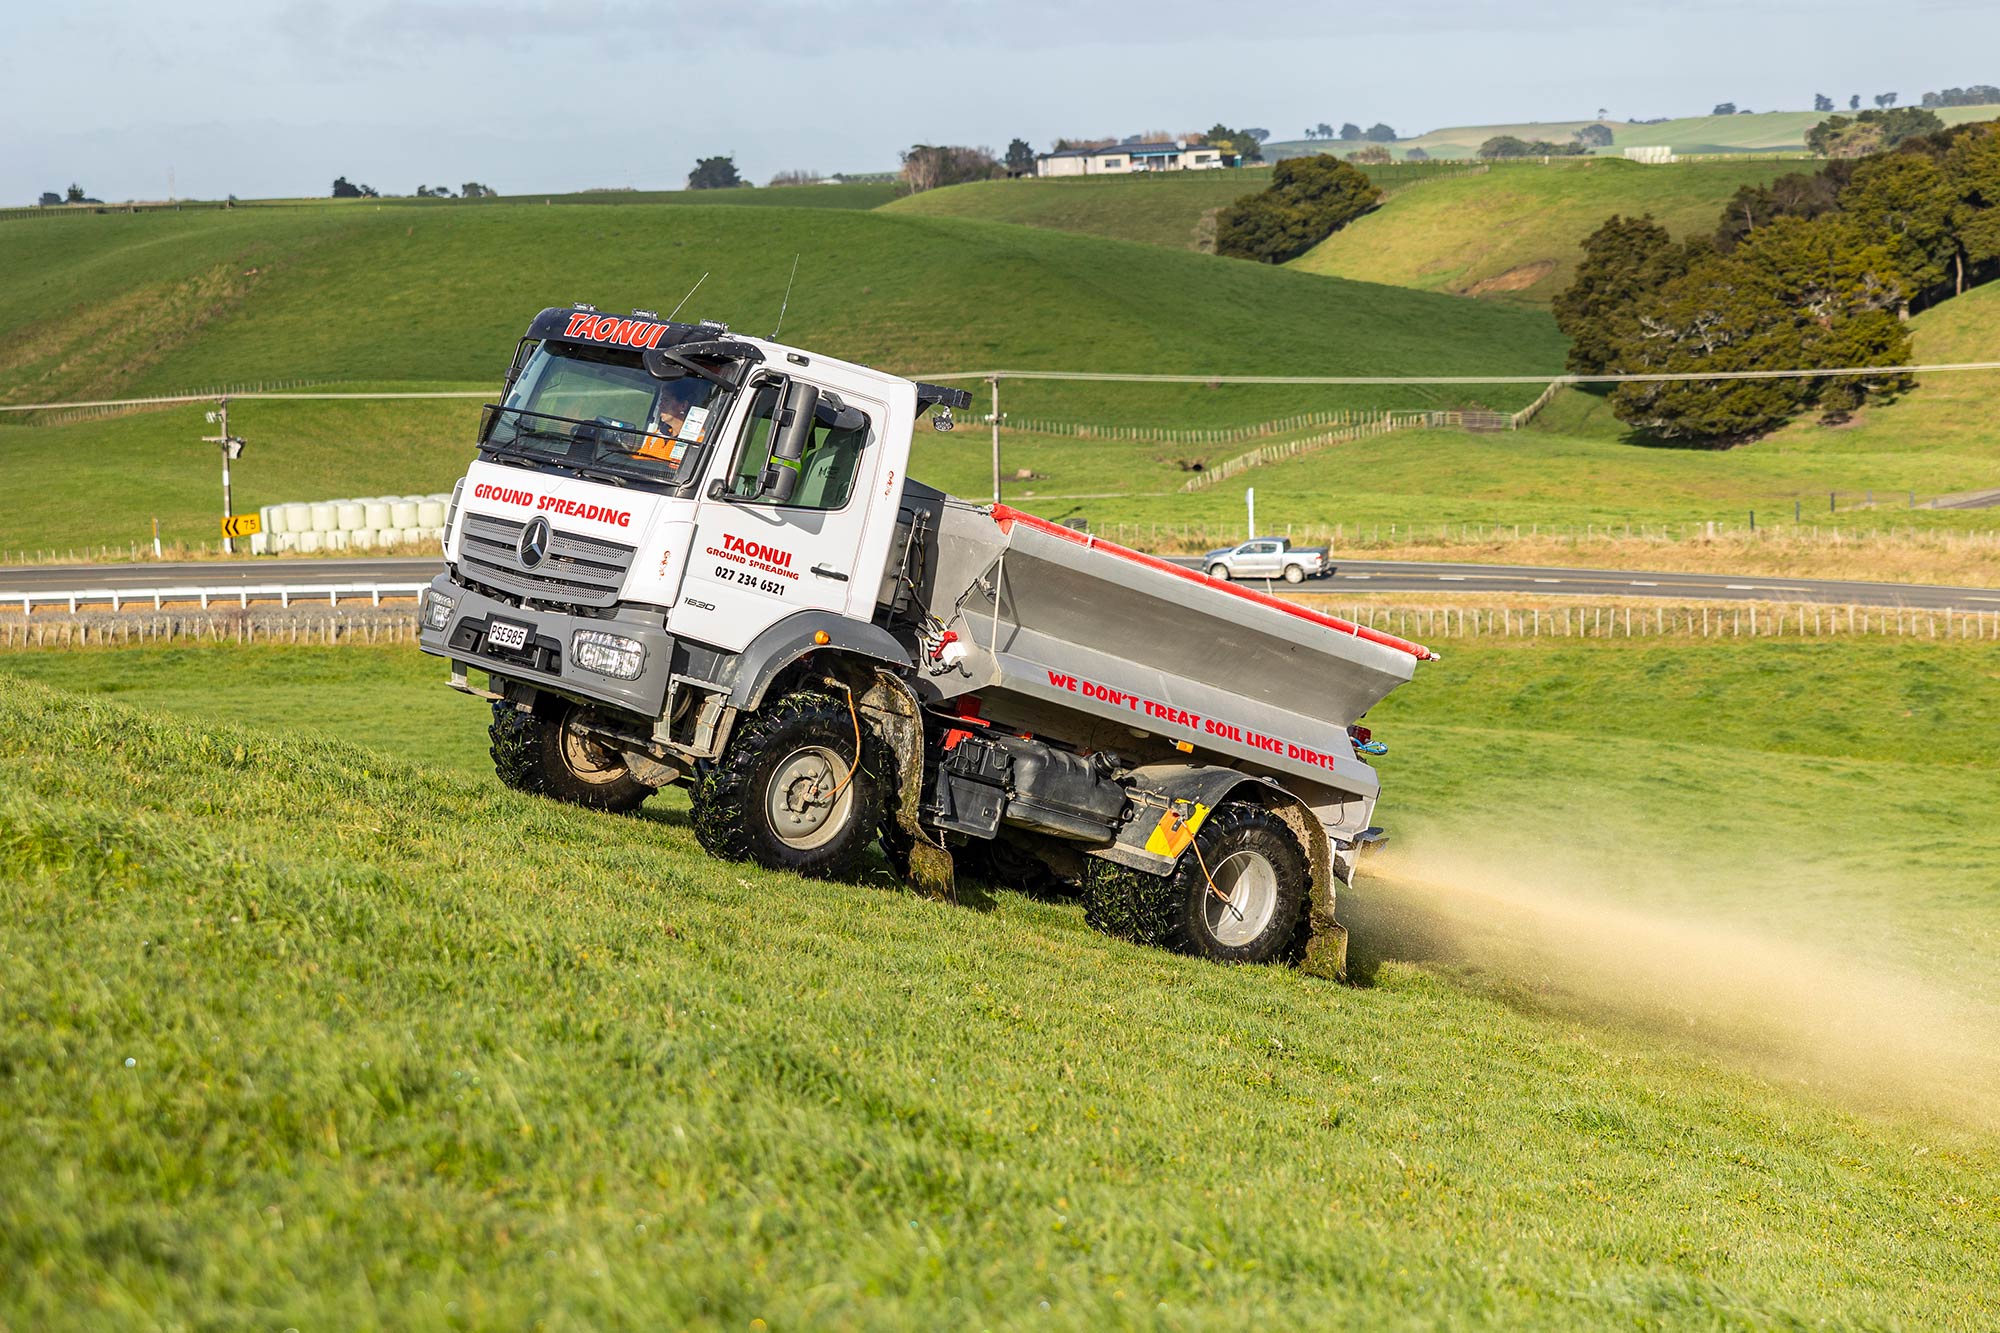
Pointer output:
x,y
124,305
1164,208
1516,233
300,1030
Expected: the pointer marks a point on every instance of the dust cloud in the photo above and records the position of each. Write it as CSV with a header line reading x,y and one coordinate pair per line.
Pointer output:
x,y
1833,1018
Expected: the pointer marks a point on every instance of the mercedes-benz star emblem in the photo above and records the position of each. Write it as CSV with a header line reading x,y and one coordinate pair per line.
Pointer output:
x,y
534,546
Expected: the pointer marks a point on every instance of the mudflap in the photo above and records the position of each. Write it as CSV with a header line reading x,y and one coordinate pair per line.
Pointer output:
x,y
893,706
1324,953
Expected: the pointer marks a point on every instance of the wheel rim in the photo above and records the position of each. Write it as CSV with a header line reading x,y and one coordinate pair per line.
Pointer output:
x,y
801,803
1249,883
587,758
1293,574
1219,572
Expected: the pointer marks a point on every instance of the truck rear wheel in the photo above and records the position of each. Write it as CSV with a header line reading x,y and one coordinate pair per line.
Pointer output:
x,y
791,792
1240,900
1295,573
548,754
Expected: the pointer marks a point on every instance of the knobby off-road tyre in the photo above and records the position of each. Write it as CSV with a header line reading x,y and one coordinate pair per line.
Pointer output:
x,y
789,793
545,755
1253,858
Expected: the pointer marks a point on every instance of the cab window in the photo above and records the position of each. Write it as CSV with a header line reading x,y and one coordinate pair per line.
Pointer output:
x,y
827,469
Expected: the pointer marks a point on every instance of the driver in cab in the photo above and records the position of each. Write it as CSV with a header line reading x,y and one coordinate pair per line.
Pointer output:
x,y
668,434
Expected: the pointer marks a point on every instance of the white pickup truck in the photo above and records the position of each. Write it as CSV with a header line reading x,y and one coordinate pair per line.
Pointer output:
x,y
1268,558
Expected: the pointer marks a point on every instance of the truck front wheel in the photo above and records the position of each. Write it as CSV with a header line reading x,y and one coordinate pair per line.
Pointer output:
x,y
794,791
1241,899
550,754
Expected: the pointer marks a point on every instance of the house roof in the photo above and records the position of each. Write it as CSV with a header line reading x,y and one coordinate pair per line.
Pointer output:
x,y
1153,149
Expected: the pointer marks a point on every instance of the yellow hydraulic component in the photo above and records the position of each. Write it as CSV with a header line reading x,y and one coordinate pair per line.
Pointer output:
x,y
1176,828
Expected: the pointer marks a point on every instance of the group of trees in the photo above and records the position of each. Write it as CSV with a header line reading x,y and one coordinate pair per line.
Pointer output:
x,y
1376,133
1812,271
345,189
714,173
1308,200
1508,145
1870,131
1979,94
931,166
73,195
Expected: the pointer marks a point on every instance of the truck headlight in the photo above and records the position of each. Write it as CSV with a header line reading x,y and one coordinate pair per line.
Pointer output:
x,y
437,609
611,655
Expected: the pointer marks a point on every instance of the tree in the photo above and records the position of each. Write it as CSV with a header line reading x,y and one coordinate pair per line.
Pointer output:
x,y
1311,133
1797,194
474,190
1854,102
1979,94
1309,199
74,194
930,166
1871,131
1373,155
1379,133
1240,142
50,199
1821,102
714,173
1325,130
1724,109
1885,100
1800,295
1415,155
1350,131
1594,136
1258,133
1020,158
1625,261
343,190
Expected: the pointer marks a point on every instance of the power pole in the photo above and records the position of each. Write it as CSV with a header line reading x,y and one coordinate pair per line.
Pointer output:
x,y
232,447
994,380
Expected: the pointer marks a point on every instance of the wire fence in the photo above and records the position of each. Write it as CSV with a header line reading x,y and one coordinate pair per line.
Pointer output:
x,y
254,626
1171,537
1421,622
1751,620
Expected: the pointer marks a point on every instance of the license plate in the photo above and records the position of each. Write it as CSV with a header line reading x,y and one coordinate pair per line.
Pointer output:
x,y
501,634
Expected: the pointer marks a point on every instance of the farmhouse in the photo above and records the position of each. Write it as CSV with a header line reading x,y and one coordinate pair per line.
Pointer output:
x,y
1125,158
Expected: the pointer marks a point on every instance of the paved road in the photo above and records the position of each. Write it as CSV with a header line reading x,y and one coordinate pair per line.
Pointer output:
x,y
1352,576
1410,576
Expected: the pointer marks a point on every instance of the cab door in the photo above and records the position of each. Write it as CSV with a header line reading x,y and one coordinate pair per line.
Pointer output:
x,y
756,559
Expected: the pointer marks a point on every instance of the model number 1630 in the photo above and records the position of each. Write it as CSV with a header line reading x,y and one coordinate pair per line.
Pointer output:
x,y
725,574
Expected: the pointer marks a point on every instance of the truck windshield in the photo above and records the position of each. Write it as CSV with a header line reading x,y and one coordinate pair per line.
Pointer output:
x,y
600,412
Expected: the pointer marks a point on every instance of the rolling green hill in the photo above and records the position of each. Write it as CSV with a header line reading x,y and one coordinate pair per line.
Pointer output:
x,y
1170,208
123,305
388,1038
1761,132
1515,233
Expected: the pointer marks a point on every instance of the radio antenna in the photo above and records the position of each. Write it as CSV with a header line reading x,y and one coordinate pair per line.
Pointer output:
x,y
786,303
689,297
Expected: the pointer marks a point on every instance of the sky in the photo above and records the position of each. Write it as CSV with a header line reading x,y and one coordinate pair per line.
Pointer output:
x,y
277,98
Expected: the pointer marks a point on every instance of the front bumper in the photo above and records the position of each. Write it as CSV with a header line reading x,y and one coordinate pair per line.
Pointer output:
x,y
544,660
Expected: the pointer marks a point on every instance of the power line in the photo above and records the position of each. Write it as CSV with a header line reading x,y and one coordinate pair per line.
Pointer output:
x,y
1117,377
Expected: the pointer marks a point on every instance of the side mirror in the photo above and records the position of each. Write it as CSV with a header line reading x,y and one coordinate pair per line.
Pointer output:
x,y
794,427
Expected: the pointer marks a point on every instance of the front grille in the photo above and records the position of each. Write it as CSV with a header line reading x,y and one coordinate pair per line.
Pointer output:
x,y
578,570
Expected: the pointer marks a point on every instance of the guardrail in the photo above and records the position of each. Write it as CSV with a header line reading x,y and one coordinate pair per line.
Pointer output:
x,y
282,593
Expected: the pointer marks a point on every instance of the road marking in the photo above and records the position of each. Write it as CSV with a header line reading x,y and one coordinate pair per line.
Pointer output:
x,y
1741,587
1548,580
1983,599
1357,576
1451,578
